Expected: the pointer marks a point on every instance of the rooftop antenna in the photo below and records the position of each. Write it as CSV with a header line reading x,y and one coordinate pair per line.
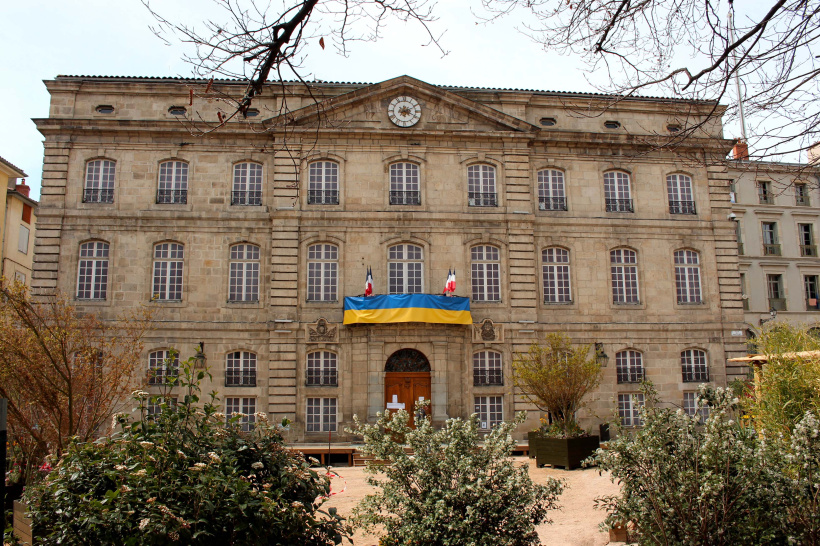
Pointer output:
x,y
737,72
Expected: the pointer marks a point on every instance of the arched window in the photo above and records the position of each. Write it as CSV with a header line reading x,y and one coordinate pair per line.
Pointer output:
x,y
322,369
244,271
629,366
555,275
485,273
163,367
247,184
481,191
679,190
693,405
99,181
693,366
173,182
323,183
487,369
404,264
167,280
617,192
404,184
92,271
624,270
240,369
323,263
687,277
551,192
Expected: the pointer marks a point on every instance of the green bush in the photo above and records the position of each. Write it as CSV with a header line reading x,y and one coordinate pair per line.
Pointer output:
x,y
182,476
450,490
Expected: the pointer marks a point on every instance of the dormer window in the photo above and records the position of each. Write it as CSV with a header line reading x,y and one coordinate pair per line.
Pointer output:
x,y
252,112
177,111
612,124
673,128
548,122
105,109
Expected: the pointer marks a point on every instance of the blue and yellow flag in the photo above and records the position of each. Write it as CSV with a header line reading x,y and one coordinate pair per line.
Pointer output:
x,y
407,308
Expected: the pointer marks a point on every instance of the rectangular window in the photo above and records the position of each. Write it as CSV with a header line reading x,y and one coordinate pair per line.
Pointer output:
x,y
321,415
624,272
690,406
246,407
322,369
168,263
743,294
771,243
481,191
777,297
27,213
806,235
687,277
487,368
764,192
485,273
732,192
801,195
489,411
739,238
92,271
20,277
244,273
628,409
22,240
322,272
811,287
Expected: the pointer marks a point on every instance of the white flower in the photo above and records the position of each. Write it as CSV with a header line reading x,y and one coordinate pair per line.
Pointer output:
x,y
139,393
144,523
214,457
219,415
197,466
257,466
120,467
140,472
146,445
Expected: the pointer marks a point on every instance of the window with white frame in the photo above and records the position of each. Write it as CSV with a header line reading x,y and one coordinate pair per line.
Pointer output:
x,y
624,270
489,410
692,405
551,192
155,404
555,275
321,415
487,369
247,184
92,271
99,181
404,184
693,366
679,191
323,183
628,409
163,366
173,182
617,192
405,263
629,366
323,263
244,273
245,407
687,277
322,369
485,273
167,281
240,369
481,191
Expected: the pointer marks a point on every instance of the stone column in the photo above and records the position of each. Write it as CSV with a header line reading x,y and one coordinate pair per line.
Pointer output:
x,y
439,381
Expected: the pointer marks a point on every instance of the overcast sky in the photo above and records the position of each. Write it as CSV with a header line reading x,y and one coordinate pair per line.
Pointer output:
x,y
44,38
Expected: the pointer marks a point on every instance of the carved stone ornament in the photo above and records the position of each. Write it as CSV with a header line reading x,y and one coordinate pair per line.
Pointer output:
x,y
487,332
321,332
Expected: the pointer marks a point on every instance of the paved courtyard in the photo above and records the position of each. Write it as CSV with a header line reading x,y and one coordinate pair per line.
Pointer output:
x,y
575,524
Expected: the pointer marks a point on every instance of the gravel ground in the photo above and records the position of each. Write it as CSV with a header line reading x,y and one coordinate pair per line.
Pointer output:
x,y
575,524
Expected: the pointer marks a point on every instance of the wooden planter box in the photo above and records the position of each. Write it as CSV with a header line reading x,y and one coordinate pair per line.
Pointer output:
x,y
532,437
566,452
22,523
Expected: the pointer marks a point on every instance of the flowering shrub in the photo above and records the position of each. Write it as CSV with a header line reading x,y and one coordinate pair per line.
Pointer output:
x,y
182,476
449,490
684,482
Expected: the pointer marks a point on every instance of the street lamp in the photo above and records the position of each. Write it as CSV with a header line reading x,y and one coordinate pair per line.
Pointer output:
x,y
600,355
199,357
772,315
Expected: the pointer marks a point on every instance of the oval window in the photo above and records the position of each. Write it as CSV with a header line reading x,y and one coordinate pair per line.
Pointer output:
x,y
612,124
548,122
177,110
105,109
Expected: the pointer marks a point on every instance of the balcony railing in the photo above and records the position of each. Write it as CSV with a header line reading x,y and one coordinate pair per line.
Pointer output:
x,y
487,377
771,250
176,197
808,250
802,200
240,378
631,375
766,199
322,378
476,199
98,195
682,207
778,304
619,205
695,376
246,197
405,197
323,197
812,304
552,203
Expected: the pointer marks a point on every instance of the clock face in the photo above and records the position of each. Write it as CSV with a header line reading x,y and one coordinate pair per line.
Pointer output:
x,y
404,111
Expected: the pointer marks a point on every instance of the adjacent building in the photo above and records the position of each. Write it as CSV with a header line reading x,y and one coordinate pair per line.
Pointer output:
x,y
18,220
249,238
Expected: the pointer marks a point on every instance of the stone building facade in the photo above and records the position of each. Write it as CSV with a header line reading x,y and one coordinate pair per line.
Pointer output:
x,y
249,238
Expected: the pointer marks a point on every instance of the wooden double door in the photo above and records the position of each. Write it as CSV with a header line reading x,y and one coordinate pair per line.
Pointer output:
x,y
407,388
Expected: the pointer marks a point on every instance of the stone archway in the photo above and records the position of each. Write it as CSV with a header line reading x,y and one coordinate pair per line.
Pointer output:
x,y
407,380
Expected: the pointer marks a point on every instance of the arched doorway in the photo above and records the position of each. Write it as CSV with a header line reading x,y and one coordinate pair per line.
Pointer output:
x,y
406,381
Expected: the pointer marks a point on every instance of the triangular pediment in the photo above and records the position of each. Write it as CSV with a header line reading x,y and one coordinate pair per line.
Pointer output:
x,y
367,108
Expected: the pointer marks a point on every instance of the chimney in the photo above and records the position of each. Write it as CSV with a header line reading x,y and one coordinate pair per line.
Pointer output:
x,y
22,188
740,151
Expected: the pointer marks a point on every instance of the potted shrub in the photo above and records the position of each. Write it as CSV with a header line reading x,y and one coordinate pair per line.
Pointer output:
x,y
555,376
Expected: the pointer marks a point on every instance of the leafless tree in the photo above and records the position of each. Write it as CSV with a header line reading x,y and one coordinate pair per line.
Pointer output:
x,y
697,49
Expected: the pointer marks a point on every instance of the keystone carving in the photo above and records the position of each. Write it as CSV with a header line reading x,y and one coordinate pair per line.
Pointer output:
x,y
487,332
322,332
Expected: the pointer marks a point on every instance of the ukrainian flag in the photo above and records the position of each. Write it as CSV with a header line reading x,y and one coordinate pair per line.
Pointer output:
x,y
407,308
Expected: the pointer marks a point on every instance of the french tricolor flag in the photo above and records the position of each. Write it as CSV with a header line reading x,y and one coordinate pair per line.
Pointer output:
x,y
368,283
450,285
